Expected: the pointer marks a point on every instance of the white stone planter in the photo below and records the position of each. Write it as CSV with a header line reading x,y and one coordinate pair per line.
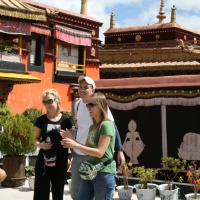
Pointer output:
x,y
146,194
69,184
31,182
125,194
166,194
191,196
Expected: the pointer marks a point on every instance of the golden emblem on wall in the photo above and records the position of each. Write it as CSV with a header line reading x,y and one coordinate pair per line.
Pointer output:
x,y
138,38
157,37
93,51
195,40
119,39
93,32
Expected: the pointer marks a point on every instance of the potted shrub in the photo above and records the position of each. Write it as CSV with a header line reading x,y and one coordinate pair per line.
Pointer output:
x,y
193,175
72,117
16,141
32,114
171,169
30,175
125,191
145,190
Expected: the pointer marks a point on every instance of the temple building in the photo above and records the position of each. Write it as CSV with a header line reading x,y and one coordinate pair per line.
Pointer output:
x,y
151,78
150,74
44,47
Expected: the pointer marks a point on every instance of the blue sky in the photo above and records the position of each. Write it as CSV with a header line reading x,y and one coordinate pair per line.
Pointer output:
x,y
134,12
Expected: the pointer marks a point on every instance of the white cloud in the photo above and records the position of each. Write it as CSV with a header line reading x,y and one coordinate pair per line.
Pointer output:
x,y
187,11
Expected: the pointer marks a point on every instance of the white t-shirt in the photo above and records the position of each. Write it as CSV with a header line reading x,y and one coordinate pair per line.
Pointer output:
x,y
84,122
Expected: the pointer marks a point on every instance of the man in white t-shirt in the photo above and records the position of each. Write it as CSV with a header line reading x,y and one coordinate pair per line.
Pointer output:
x,y
86,88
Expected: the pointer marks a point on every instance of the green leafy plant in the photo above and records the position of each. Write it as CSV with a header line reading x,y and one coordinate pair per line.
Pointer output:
x,y
193,175
8,46
71,116
30,172
172,166
18,135
32,114
145,175
4,110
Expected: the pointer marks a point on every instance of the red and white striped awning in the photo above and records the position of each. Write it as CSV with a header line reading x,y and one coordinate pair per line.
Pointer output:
x,y
39,30
72,36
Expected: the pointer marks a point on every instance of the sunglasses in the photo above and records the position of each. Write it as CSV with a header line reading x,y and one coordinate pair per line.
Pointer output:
x,y
91,105
49,101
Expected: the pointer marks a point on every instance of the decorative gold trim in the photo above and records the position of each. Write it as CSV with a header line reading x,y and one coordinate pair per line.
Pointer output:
x,y
152,94
149,95
19,78
23,10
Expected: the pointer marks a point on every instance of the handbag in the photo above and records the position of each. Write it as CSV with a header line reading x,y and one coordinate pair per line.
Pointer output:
x,y
89,171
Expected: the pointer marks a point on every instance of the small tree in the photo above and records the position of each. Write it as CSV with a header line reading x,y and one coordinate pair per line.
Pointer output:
x,y
71,116
18,136
172,166
193,175
32,114
125,171
4,110
145,175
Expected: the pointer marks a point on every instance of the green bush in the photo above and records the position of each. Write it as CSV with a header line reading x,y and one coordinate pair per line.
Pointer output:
x,y
4,109
32,114
70,115
18,136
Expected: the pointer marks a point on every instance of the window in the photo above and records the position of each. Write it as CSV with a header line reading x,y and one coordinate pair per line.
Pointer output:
x,y
33,51
36,55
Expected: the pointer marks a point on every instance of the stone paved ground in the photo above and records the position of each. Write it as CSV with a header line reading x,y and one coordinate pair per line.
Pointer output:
x,y
24,193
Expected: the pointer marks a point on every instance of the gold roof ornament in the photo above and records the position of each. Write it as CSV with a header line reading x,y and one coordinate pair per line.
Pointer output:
x,y
22,10
51,12
83,7
173,14
193,50
112,20
161,15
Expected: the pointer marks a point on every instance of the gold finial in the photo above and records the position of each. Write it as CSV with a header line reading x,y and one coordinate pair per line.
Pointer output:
x,y
51,12
112,20
173,14
84,7
161,15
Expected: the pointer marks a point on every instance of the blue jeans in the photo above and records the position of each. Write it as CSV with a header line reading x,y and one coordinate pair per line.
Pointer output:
x,y
101,187
75,175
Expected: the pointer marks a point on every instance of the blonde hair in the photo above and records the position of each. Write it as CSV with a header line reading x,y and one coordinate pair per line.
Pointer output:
x,y
56,96
101,100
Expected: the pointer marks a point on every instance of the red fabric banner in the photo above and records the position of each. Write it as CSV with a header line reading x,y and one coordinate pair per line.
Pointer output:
x,y
40,30
72,36
15,27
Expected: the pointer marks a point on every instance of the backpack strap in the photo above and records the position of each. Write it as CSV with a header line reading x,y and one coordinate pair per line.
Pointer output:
x,y
77,105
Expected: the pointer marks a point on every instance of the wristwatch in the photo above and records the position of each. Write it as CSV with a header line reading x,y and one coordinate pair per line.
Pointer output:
x,y
121,149
76,146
